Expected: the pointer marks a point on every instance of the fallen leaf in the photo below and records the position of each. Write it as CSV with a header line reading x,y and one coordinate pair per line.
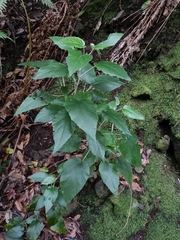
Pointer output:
x,y
19,205
136,187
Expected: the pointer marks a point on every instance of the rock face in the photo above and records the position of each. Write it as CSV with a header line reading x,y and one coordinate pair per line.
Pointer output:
x,y
101,190
163,144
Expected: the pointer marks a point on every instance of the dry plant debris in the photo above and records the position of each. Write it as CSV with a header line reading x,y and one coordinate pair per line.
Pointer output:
x,y
130,44
60,23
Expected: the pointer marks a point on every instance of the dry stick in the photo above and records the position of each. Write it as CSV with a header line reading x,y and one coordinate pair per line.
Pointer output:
x,y
30,49
129,212
19,134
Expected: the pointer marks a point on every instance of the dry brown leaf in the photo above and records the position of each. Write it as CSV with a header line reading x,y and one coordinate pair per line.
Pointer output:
x,y
141,144
72,226
16,175
19,205
24,142
136,187
77,217
10,194
135,178
21,158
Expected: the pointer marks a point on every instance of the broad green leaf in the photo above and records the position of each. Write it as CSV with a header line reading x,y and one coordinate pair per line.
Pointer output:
x,y
97,146
60,201
51,178
60,168
15,233
83,113
74,176
76,60
48,97
112,69
106,83
113,105
124,168
38,176
130,112
35,229
62,129
30,219
59,227
81,95
54,214
130,149
17,221
52,70
68,42
32,205
98,96
50,195
114,117
48,113
89,157
65,90
58,41
37,65
72,144
101,107
40,203
109,137
30,103
109,176
113,38
87,74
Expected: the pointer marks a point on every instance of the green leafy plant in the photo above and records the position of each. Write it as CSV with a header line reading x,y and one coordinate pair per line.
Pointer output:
x,y
82,106
3,35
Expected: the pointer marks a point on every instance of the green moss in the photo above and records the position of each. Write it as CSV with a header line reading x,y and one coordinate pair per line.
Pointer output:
x,y
163,228
160,182
112,217
170,62
107,220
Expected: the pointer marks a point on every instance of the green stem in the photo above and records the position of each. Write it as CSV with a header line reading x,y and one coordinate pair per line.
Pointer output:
x,y
85,155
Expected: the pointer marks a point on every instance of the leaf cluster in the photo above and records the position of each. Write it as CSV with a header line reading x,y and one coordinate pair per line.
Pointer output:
x,y
83,106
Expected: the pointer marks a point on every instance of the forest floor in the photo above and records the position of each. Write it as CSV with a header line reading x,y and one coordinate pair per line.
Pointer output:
x,y
24,145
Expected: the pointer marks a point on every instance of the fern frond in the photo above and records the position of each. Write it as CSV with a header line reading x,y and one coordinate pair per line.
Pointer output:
x,y
3,35
48,3
3,4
